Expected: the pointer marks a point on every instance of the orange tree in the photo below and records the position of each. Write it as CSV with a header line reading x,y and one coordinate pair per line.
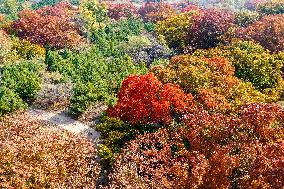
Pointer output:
x,y
202,149
254,64
49,26
212,81
144,99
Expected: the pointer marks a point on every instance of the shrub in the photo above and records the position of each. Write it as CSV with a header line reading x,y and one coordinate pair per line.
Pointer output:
x,y
122,10
144,99
10,8
48,26
145,49
268,32
27,50
197,29
175,29
193,155
252,4
245,18
271,7
190,8
95,76
154,12
211,81
92,16
254,64
266,168
9,101
5,47
36,156
40,4
22,78
207,28
54,96
265,120
162,160
114,133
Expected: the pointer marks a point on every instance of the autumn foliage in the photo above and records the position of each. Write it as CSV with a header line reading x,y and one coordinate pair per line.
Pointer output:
x,y
211,80
122,10
5,46
210,150
154,12
268,32
48,26
202,30
271,7
36,156
144,99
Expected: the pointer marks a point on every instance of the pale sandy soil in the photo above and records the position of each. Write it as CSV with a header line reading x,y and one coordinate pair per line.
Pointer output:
x,y
61,120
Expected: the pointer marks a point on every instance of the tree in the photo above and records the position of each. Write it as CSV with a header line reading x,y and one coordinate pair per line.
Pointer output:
x,y
268,32
271,7
144,99
122,10
196,29
49,26
154,12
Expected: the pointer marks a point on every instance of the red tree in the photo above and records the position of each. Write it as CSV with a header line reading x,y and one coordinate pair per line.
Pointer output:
x,y
144,99
122,10
268,32
207,27
49,26
154,12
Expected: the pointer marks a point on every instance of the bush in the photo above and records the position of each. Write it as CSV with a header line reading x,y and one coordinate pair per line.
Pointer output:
x,y
40,4
254,64
144,99
207,28
5,47
27,50
198,31
54,96
50,26
92,16
252,4
108,38
122,10
245,18
268,32
38,156
175,29
114,133
156,11
211,81
266,169
22,78
10,8
9,101
271,7
239,148
95,76
145,49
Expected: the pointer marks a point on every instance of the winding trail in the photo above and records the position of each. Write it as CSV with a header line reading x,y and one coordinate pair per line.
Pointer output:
x,y
61,120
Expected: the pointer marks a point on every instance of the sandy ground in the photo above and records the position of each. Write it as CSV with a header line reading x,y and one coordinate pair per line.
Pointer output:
x,y
62,121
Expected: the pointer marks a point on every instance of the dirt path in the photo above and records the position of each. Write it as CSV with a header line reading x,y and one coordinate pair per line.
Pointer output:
x,y
62,121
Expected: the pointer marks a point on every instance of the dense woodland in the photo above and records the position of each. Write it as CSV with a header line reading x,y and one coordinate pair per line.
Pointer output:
x,y
193,92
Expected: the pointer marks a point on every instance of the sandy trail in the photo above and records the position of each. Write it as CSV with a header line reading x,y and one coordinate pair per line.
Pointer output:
x,y
62,121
